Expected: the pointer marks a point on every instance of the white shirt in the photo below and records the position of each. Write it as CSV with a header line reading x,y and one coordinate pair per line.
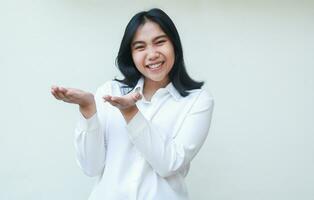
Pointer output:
x,y
148,158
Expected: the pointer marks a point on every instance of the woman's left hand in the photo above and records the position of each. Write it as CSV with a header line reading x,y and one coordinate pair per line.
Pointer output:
x,y
124,102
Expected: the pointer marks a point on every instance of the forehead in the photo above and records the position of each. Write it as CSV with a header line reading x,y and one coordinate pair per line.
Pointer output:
x,y
148,31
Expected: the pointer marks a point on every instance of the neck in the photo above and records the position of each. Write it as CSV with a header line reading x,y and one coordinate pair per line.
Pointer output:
x,y
150,87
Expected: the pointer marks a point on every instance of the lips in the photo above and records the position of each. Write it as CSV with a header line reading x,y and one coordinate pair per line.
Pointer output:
x,y
155,66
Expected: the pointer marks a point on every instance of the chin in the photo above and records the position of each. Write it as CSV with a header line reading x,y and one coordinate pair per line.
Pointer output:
x,y
156,79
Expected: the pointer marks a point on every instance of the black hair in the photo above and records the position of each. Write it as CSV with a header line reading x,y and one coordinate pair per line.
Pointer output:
x,y
177,75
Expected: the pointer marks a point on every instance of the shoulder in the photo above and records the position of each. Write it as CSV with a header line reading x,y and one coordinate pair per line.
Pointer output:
x,y
202,99
200,94
104,89
110,87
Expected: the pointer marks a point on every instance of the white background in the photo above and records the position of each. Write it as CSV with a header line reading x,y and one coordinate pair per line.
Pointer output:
x,y
257,58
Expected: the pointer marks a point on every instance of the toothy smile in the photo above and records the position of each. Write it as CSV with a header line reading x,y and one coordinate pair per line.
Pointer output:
x,y
155,65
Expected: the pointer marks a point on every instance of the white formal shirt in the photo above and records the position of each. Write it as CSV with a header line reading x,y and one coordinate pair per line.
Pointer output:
x,y
148,158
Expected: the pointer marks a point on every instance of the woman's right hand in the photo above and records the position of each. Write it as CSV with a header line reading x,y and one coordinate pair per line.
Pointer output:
x,y
71,95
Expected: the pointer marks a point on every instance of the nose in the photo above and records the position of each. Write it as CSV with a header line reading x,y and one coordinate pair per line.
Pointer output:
x,y
152,54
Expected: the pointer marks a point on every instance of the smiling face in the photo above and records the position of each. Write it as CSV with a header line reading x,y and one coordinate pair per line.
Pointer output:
x,y
153,53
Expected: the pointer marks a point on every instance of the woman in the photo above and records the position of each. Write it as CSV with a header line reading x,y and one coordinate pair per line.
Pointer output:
x,y
139,134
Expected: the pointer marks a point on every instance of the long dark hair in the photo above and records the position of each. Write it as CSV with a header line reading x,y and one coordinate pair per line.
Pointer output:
x,y
178,74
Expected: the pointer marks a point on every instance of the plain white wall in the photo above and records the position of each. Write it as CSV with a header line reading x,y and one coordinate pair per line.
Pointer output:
x,y
257,58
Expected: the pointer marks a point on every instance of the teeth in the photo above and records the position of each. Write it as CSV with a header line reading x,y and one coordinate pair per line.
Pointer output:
x,y
153,66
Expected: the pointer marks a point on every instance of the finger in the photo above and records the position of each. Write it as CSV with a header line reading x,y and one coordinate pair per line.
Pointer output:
x,y
55,95
113,103
56,92
57,88
119,100
107,97
137,96
60,94
116,99
113,100
63,90
53,87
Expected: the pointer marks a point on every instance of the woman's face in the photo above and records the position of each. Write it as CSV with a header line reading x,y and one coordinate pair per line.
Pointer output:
x,y
153,52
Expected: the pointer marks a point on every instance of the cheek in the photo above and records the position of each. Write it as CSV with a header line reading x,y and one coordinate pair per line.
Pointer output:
x,y
170,53
171,58
137,59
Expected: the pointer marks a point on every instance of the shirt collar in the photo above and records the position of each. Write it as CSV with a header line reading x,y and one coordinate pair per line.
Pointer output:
x,y
169,88
139,86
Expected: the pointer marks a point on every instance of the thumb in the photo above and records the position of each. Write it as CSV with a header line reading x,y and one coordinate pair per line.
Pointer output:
x,y
137,96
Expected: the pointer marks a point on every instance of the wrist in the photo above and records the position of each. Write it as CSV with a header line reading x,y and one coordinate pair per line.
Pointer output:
x,y
88,112
128,113
88,109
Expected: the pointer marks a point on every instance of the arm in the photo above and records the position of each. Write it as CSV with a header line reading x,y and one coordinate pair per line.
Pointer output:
x,y
89,145
168,155
90,139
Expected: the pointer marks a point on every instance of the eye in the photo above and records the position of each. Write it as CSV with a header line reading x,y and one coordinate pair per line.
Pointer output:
x,y
139,47
160,42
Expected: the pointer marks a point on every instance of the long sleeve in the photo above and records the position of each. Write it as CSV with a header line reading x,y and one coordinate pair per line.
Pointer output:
x,y
168,155
90,141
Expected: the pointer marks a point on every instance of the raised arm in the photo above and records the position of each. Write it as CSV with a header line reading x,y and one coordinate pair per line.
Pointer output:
x,y
168,155
85,100
89,141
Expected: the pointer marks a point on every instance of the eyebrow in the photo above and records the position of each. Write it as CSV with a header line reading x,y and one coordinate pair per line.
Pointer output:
x,y
156,38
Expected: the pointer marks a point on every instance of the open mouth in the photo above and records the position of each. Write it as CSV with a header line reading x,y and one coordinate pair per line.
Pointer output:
x,y
155,66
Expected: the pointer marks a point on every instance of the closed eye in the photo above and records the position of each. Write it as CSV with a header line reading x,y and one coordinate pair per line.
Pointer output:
x,y
161,41
139,47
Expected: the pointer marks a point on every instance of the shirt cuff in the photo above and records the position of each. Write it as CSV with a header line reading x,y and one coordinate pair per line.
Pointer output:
x,y
88,124
136,125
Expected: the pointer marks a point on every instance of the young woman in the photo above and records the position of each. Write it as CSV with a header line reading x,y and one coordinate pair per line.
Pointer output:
x,y
139,134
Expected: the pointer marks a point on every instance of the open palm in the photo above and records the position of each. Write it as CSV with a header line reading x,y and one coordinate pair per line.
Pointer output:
x,y
123,102
72,95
